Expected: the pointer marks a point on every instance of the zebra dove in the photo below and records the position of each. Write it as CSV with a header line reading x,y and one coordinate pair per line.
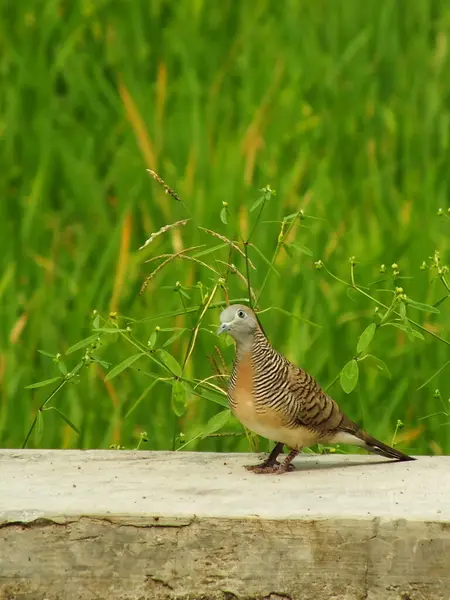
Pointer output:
x,y
275,399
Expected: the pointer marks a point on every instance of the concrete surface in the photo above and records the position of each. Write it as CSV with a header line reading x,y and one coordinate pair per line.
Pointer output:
x,y
160,526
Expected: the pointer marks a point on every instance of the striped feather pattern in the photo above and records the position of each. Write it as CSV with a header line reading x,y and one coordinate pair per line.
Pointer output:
x,y
279,385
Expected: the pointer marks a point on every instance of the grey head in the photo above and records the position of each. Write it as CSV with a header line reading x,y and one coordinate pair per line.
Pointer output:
x,y
240,322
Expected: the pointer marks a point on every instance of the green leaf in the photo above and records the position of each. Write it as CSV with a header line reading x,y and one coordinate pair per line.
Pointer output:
x,y
171,363
365,338
111,330
154,375
39,428
349,376
293,216
62,367
210,250
402,311
152,339
223,216
141,397
423,307
257,203
174,337
178,398
103,363
111,338
409,330
378,364
81,344
184,294
44,353
217,422
212,395
96,321
439,302
64,418
288,250
301,249
122,366
40,384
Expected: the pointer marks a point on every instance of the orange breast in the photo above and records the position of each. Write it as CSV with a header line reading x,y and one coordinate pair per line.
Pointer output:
x,y
265,421
242,394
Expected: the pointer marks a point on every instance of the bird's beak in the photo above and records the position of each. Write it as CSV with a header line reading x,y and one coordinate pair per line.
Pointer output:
x,y
223,328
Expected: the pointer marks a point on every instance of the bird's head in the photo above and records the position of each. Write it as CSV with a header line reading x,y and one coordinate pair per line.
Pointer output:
x,y
240,322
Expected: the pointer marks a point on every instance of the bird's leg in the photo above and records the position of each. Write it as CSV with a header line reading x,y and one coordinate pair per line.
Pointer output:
x,y
275,468
286,464
270,461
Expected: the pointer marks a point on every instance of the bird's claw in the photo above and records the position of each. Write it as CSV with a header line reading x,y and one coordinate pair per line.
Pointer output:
x,y
276,468
263,466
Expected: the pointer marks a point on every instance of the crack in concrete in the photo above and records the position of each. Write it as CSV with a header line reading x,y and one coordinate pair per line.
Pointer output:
x,y
117,521
37,523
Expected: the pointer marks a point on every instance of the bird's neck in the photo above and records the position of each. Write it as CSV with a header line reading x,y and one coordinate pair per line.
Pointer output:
x,y
247,345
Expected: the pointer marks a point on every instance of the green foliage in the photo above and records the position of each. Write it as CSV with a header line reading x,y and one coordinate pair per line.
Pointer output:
x,y
349,376
365,338
349,122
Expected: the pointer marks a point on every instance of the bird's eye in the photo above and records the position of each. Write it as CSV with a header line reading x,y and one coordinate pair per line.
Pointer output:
x,y
241,314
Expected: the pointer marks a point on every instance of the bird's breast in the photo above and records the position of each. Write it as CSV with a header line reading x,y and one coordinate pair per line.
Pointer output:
x,y
259,416
241,393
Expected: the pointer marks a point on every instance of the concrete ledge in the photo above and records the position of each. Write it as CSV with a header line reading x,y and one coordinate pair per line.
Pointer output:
x,y
159,526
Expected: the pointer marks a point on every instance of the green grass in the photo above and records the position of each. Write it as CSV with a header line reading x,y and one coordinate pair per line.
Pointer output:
x,y
342,107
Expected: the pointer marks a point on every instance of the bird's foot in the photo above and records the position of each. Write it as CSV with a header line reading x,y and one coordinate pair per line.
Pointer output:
x,y
276,468
263,466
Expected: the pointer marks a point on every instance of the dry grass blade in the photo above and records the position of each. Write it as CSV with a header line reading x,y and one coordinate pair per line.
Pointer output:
x,y
222,360
241,276
181,252
215,365
211,385
219,372
206,381
228,241
163,230
167,188
161,266
199,322
183,256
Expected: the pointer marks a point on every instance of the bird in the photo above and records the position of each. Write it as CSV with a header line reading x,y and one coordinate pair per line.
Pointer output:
x,y
275,399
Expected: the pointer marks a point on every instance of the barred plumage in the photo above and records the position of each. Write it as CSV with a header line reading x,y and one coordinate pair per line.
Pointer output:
x,y
274,398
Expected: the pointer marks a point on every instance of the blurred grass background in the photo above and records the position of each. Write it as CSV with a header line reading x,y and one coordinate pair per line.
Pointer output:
x,y
343,107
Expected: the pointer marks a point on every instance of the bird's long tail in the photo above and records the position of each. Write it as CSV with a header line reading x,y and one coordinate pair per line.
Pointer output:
x,y
377,447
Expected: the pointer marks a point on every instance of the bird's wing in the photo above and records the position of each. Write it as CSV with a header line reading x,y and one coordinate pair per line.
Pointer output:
x,y
309,406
